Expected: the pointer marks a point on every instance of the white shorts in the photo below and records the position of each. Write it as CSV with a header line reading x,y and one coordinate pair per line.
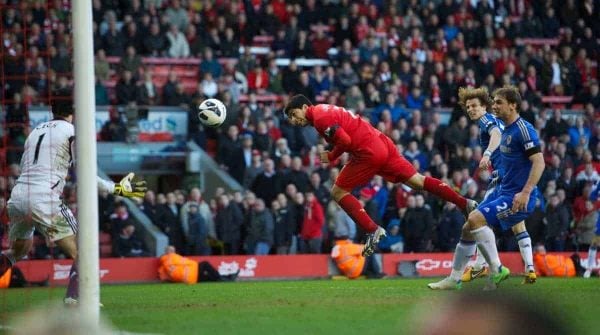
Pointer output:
x,y
49,216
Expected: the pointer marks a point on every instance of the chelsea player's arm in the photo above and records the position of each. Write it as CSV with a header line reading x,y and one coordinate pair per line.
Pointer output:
x,y
537,168
495,137
521,199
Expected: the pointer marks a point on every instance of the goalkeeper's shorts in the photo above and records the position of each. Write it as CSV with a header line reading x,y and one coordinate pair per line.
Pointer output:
x,y
51,217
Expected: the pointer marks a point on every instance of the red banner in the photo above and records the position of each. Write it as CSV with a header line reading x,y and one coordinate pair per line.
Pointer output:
x,y
112,270
440,264
274,266
131,270
127,270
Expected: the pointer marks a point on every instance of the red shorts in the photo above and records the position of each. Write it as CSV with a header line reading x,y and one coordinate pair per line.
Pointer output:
x,y
380,158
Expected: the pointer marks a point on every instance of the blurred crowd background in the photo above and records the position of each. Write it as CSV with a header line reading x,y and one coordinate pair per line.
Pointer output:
x,y
397,64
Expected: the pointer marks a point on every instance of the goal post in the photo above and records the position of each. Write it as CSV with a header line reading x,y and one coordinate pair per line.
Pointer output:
x,y
86,169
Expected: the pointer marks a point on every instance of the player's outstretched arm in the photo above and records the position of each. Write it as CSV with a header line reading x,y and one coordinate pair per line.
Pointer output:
x,y
495,138
537,168
127,187
130,188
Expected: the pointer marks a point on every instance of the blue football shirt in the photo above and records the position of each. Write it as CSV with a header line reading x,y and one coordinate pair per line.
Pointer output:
x,y
519,142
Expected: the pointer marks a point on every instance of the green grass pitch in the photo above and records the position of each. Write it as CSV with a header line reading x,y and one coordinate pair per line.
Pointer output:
x,y
300,307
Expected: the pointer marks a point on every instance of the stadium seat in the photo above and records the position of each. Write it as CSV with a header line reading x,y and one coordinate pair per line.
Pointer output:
x,y
262,40
537,41
262,98
160,70
104,238
211,147
110,84
552,99
225,61
159,81
556,101
190,85
320,26
185,71
105,244
106,250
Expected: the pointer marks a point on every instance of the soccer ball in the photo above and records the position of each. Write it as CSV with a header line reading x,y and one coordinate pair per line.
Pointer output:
x,y
212,112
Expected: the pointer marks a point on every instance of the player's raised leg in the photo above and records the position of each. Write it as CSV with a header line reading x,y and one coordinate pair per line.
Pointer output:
x,y
358,172
355,210
442,190
398,170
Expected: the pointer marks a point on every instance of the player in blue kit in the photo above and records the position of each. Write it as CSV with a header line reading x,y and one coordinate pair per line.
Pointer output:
x,y
511,202
476,102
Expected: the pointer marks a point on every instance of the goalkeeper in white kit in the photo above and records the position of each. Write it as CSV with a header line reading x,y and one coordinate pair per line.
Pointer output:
x,y
35,201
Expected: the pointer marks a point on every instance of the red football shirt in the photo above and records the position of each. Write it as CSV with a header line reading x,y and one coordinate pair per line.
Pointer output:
x,y
360,131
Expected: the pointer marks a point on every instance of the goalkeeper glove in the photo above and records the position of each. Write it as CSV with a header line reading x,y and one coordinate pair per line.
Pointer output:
x,y
129,188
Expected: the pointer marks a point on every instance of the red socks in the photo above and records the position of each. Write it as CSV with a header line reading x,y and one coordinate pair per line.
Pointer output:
x,y
353,207
442,190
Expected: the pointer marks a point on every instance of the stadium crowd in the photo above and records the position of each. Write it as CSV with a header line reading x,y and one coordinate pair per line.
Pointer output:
x,y
396,63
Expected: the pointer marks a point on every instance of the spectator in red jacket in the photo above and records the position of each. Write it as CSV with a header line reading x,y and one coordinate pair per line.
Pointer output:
x,y
321,43
311,234
579,207
258,79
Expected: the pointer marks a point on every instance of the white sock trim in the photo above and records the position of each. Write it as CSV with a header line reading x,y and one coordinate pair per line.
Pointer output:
x,y
479,229
526,253
480,262
462,255
486,241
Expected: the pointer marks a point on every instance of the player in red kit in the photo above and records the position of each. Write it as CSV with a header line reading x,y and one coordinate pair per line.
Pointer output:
x,y
372,153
